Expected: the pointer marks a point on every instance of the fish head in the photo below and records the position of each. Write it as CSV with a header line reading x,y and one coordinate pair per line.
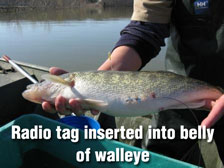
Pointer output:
x,y
44,91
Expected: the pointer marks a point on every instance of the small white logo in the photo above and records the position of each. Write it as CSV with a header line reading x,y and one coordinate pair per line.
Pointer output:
x,y
201,4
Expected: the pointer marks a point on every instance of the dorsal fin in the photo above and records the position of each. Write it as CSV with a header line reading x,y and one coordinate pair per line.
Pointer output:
x,y
57,79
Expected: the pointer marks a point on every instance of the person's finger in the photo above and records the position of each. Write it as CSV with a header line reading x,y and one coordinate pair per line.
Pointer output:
x,y
94,112
76,107
216,113
60,103
57,71
209,104
48,107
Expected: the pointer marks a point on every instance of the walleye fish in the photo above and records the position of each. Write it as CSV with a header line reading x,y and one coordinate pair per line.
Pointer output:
x,y
124,93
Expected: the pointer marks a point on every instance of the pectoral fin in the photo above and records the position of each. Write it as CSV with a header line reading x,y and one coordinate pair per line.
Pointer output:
x,y
94,104
58,79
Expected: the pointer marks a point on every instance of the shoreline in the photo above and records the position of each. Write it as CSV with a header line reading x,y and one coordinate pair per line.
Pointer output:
x,y
13,5
46,14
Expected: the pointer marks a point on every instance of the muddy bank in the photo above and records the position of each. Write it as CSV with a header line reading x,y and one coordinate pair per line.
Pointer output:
x,y
47,15
117,3
42,3
19,4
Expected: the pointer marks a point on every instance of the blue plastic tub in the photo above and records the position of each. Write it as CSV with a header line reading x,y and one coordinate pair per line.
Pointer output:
x,y
80,122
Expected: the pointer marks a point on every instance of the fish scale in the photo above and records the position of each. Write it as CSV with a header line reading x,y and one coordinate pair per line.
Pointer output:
x,y
125,93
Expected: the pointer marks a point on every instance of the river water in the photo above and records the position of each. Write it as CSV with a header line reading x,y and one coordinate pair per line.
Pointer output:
x,y
73,39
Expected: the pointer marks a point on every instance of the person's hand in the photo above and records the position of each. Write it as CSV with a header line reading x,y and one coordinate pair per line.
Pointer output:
x,y
61,103
217,111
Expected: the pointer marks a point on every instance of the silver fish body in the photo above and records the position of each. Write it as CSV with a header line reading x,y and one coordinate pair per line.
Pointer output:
x,y
124,93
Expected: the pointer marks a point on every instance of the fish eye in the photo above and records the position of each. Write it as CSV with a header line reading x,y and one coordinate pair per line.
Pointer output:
x,y
29,86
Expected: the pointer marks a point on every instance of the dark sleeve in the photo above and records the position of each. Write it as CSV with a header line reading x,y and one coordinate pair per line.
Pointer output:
x,y
146,38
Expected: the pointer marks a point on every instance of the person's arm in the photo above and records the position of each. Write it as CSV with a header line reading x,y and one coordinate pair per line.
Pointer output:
x,y
123,58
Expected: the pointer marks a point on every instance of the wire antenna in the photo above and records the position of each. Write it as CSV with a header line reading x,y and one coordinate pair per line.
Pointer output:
x,y
197,122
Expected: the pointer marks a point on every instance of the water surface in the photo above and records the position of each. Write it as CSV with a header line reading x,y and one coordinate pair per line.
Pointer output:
x,y
73,39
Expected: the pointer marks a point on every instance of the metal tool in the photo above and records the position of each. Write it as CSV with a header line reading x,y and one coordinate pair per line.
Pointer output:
x,y
17,67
